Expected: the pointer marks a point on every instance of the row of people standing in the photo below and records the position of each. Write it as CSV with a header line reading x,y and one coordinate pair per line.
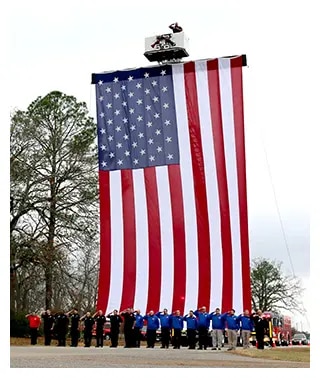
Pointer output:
x,y
197,321
58,324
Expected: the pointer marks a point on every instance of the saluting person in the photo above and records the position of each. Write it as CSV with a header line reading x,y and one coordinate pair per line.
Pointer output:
x,y
137,326
48,323
88,326
100,320
115,321
75,326
260,326
153,324
203,326
192,325
177,326
218,326
165,322
246,325
233,326
129,318
61,327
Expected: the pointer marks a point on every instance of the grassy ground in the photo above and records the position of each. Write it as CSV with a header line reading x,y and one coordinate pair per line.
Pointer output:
x,y
297,354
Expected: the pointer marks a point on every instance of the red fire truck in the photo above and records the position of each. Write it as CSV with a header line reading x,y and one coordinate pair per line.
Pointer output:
x,y
279,330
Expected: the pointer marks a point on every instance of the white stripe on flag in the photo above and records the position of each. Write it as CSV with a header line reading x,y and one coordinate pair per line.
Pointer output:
x,y
166,229
190,217
116,279
142,241
211,184
232,178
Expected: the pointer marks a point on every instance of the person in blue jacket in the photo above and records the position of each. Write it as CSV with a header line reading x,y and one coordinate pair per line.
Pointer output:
x,y
165,322
153,324
177,327
203,326
192,325
246,325
137,326
218,326
233,326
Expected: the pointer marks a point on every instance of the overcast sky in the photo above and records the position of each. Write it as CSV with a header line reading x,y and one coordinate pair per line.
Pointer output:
x,y
58,45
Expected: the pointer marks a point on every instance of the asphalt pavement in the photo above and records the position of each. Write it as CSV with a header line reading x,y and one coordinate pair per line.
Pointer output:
x,y
40,356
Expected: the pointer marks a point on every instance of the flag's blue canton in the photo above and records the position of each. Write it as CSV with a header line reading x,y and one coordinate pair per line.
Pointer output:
x,y
136,115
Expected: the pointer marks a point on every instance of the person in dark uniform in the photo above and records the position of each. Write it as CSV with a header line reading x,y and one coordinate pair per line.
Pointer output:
x,y
115,321
75,326
260,326
48,323
100,320
129,318
88,326
61,327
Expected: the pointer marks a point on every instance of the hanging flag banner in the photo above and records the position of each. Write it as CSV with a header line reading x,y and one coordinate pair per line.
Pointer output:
x,y
172,181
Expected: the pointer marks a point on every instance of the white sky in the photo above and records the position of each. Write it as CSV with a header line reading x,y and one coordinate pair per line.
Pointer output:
x,y
58,45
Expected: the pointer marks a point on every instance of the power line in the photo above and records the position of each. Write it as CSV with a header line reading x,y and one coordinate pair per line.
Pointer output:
x,y
277,207
280,218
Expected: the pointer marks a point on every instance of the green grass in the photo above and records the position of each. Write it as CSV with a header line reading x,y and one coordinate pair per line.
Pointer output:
x,y
278,353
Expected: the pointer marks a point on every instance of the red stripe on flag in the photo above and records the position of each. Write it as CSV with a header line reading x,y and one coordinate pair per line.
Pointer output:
x,y
105,241
199,185
179,238
129,240
237,91
216,117
154,290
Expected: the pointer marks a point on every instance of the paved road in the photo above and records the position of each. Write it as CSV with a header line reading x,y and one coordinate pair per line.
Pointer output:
x,y
67,357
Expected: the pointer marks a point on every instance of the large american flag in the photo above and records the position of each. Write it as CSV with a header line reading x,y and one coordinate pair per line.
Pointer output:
x,y
172,178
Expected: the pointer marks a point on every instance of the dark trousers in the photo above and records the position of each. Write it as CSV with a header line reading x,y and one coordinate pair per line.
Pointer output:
x,y
99,337
74,337
114,337
47,336
87,339
151,337
191,335
260,340
128,337
203,337
61,337
34,335
137,336
165,337
176,339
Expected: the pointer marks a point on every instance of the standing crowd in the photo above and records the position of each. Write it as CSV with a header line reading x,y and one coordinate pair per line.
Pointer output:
x,y
197,322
